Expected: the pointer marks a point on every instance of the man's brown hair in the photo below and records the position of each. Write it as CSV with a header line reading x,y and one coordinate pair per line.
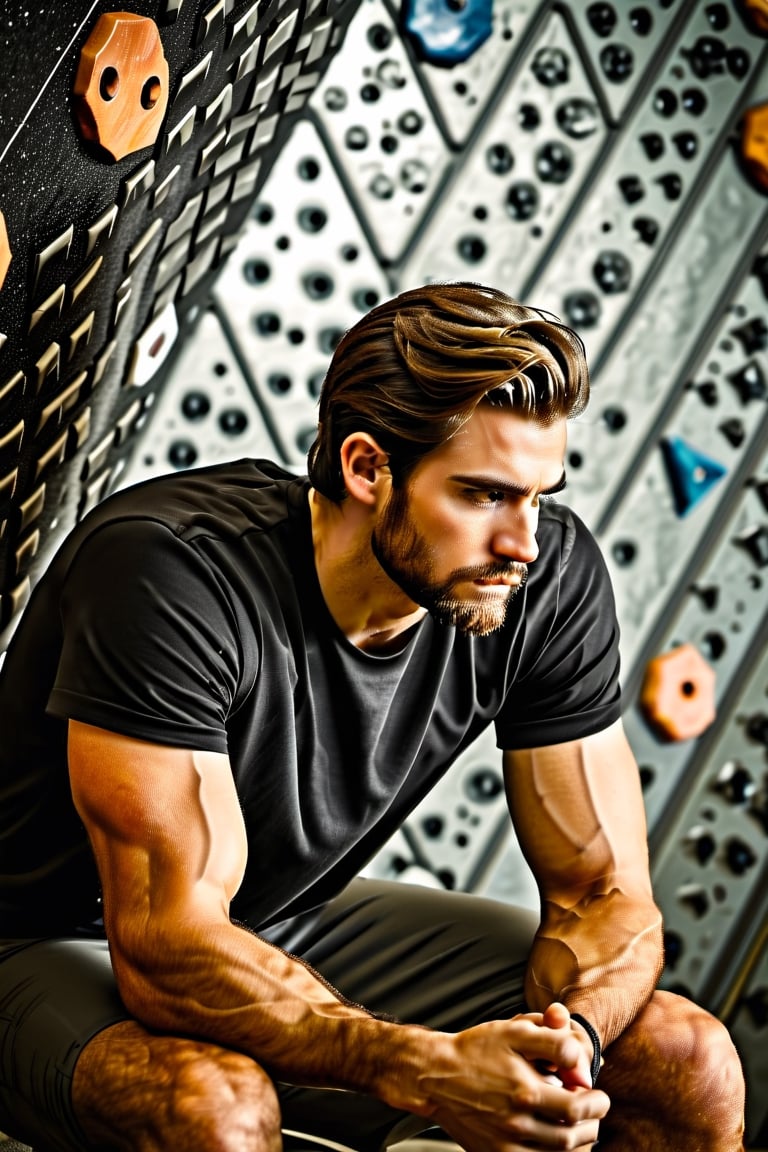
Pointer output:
x,y
412,371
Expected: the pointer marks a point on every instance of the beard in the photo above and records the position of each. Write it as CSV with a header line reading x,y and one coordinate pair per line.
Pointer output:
x,y
407,559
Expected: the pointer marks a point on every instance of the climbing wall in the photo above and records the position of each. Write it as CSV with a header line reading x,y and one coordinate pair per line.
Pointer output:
x,y
605,161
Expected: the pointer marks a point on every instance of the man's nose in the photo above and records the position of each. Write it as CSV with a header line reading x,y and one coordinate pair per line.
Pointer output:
x,y
516,540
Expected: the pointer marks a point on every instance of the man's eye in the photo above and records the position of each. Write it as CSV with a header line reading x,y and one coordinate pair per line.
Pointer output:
x,y
486,495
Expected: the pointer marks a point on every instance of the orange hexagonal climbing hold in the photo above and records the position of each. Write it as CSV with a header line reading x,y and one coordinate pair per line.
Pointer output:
x,y
754,143
678,693
121,86
5,250
756,14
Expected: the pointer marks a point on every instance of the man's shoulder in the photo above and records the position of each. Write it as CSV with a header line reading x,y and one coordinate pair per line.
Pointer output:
x,y
222,500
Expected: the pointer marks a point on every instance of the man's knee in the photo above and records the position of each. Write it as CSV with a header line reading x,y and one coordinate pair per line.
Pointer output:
x,y
677,1054
227,1100
686,1036
137,1090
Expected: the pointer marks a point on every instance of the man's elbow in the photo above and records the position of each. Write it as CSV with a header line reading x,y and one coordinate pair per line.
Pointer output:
x,y
151,966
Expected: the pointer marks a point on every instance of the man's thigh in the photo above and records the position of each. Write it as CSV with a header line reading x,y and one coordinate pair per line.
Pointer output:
x,y
446,960
55,995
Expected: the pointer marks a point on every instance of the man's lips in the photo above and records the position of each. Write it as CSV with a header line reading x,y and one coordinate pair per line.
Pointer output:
x,y
510,581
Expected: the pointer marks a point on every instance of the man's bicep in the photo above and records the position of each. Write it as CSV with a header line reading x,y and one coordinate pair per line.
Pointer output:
x,y
579,815
165,826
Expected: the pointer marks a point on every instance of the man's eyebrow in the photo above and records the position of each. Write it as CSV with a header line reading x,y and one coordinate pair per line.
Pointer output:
x,y
494,484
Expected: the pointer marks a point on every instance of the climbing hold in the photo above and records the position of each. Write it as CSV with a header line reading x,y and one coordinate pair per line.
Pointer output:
x,y
750,382
653,145
602,18
121,86
755,541
734,431
761,488
677,697
691,474
754,144
631,188
578,118
757,728
5,250
582,309
753,335
734,783
612,271
449,33
756,14
647,229
707,57
551,67
617,62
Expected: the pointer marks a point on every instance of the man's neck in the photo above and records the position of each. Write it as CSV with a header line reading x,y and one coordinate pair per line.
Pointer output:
x,y
370,609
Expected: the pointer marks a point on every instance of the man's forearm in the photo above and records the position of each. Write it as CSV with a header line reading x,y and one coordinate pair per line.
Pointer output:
x,y
228,986
602,958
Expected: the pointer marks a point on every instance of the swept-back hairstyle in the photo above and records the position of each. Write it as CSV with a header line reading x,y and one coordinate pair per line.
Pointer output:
x,y
412,371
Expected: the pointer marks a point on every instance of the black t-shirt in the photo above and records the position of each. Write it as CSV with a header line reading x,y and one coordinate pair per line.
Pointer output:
x,y
186,611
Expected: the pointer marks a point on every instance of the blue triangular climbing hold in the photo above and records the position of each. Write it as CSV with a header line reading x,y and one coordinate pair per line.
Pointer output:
x,y
691,474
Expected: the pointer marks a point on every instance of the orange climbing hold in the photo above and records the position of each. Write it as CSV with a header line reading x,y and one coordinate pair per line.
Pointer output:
x,y
754,144
5,250
678,693
121,86
756,14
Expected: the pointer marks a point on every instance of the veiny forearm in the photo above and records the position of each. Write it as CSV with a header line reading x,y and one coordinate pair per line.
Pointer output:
x,y
221,982
582,827
601,957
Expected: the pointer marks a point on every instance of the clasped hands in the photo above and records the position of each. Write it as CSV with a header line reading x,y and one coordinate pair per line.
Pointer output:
x,y
520,1084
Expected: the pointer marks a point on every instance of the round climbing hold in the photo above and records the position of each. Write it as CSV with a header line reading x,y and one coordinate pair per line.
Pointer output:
x,y
612,271
677,697
582,309
551,67
754,144
447,34
578,118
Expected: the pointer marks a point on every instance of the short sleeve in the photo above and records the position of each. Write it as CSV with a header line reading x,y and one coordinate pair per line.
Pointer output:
x,y
149,643
568,685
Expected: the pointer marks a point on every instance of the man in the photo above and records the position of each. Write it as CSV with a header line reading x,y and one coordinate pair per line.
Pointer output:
x,y
230,689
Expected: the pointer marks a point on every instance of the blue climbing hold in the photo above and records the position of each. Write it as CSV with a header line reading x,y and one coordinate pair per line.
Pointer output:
x,y
691,474
447,32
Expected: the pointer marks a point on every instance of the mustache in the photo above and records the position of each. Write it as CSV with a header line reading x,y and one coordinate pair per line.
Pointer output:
x,y
493,571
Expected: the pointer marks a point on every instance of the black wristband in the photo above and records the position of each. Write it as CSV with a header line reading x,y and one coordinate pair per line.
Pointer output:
x,y
597,1054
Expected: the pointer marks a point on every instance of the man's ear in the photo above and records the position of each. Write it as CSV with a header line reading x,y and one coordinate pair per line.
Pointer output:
x,y
364,466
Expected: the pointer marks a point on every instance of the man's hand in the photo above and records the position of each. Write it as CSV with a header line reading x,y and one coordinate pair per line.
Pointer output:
x,y
557,1016
515,1085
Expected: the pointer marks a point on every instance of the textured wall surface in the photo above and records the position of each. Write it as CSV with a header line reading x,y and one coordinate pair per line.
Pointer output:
x,y
605,161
